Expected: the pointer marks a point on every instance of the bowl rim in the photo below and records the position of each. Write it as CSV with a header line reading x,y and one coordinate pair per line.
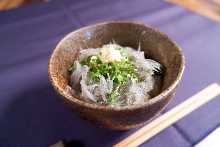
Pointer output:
x,y
85,104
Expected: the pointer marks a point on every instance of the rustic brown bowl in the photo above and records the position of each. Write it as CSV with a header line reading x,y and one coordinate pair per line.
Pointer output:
x,y
155,44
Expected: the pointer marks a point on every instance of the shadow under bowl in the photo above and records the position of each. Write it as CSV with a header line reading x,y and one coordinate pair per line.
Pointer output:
x,y
155,44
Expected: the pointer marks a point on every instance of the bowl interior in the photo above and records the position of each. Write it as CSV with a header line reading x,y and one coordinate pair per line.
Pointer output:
x,y
156,46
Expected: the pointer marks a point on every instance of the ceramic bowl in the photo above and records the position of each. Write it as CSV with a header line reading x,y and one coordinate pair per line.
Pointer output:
x,y
155,44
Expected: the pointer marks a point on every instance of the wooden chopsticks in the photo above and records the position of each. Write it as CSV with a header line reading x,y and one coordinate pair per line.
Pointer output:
x,y
171,117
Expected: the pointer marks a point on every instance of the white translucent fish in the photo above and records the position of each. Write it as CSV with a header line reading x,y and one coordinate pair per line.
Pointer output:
x,y
132,92
88,52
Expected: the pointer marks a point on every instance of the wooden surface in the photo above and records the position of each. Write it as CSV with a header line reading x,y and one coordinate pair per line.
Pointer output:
x,y
171,117
8,4
208,8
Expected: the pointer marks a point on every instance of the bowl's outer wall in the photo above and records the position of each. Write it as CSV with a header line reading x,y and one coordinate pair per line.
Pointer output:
x,y
153,43
121,121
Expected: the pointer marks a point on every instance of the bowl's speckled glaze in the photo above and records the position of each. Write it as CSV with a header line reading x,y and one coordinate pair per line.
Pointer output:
x,y
155,44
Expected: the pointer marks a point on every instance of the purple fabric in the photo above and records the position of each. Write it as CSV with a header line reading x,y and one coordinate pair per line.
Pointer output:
x,y
31,114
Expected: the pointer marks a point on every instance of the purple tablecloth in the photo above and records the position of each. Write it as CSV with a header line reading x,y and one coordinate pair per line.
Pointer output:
x,y
31,114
